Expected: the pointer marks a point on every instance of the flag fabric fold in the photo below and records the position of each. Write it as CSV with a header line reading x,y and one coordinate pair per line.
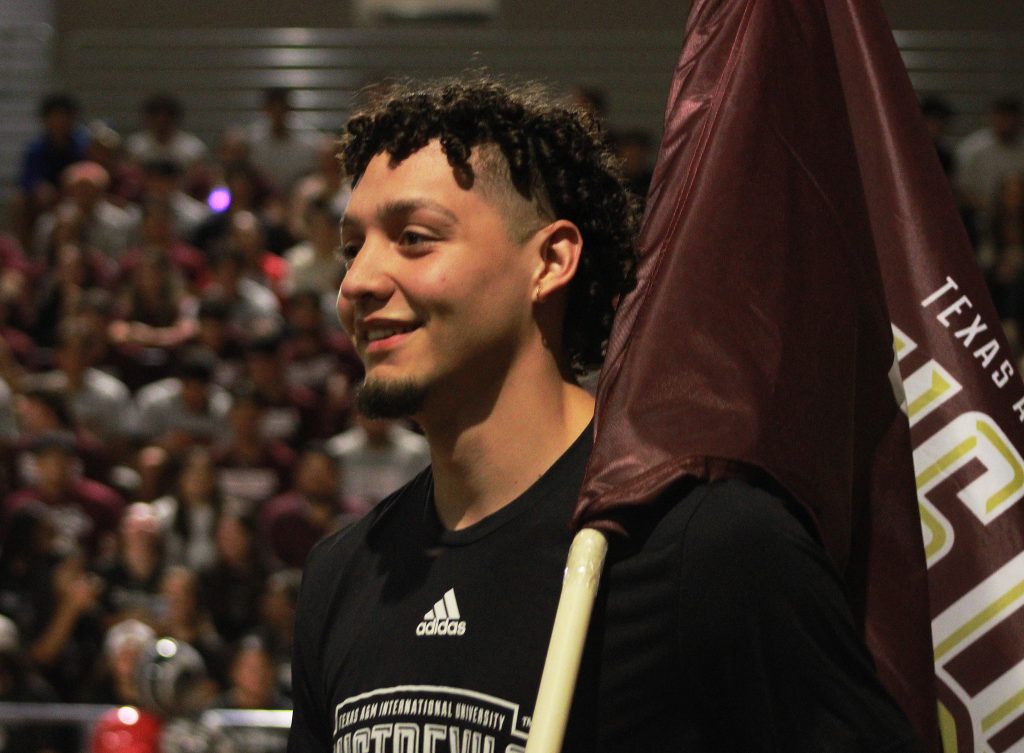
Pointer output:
x,y
797,217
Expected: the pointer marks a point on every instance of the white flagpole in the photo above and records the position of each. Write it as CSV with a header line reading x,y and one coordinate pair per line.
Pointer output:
x,y
558,681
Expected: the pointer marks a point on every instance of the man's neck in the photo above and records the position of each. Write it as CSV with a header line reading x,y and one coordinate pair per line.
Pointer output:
x,y
482,464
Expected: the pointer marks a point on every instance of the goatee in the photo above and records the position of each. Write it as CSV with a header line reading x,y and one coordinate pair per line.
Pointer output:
x,y
390,399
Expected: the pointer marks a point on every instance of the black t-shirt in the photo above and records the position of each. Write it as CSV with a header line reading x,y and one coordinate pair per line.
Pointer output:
x,y
721,628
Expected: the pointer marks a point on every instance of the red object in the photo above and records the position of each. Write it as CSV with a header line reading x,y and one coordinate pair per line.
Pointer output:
x,y
798,202
126,730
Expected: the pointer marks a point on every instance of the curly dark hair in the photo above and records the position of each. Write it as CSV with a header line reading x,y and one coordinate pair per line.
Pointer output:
x,y
555,156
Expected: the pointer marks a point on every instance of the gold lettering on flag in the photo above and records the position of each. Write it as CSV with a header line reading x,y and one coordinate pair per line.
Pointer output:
x,y
969,473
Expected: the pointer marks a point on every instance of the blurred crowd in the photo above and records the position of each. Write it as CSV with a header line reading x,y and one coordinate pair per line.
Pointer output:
x,y
176,417
177,426
986,171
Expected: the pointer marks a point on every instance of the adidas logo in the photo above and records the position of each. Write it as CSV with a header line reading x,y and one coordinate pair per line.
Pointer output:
x,y
444,618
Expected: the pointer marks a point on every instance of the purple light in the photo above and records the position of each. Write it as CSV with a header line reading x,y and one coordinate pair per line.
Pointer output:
x,y
219,199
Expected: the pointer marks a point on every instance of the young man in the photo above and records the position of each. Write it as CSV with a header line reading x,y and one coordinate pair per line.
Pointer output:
x,y
488,238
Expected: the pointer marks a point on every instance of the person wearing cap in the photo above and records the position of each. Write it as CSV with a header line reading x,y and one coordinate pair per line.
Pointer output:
x,y
84,511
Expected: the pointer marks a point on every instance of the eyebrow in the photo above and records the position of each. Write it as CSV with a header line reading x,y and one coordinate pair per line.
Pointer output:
x,y
389,210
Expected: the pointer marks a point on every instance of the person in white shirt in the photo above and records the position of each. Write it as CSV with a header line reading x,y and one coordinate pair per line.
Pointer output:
x,y
315,264
87,215
281,146
162,137
986,156
377,456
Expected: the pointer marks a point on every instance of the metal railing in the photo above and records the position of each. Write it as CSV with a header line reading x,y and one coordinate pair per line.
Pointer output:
x,y
272,724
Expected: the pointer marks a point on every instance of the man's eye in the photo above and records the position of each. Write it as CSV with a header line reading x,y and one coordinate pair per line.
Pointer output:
x,y
412,238
348,251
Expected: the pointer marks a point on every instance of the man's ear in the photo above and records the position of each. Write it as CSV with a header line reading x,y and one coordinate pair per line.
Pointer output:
x,y
561,245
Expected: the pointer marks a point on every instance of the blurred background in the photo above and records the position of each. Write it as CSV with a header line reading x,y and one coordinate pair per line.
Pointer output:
x,y
176,418
217,58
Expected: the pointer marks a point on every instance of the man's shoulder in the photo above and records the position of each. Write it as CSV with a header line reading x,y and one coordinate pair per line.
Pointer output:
x,y
341,545
735,525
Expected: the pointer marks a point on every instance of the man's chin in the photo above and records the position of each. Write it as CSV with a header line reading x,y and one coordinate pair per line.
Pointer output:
x,y
390,399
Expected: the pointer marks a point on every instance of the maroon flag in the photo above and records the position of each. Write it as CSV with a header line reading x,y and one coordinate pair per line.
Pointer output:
x,y
797,219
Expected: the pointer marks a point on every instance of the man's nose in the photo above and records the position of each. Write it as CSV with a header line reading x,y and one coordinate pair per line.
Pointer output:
x,y
368,275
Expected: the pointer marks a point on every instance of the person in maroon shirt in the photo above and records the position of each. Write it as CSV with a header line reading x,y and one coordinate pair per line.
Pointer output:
x,y
321,359
84,510
293,522
41,412
251,468
292,411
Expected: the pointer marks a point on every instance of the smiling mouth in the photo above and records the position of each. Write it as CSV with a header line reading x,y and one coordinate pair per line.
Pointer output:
x,y
383,334
380,341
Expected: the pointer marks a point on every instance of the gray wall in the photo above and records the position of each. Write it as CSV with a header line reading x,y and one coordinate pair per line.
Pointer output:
x,y
547,14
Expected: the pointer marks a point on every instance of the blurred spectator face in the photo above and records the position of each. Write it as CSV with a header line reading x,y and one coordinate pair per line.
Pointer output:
x,y
71,574
124,645
317,475
180,593
158,186
197,479
34,415
253,673
72,357
58,123
636,153
151,276
327,158
936,125
1012,192
227,271
247,234
233,540
85,183
70,265
264,369
241,188
68,228
213,333
54,469
1006,125
124,661
140,536
277,608
590,99
233,147
246,418
304,312
194,394
104,143
162,120
30,536
157,224
323,231
276,106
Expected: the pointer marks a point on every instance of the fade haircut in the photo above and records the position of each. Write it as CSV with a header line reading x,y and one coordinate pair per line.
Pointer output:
x,y
531,144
